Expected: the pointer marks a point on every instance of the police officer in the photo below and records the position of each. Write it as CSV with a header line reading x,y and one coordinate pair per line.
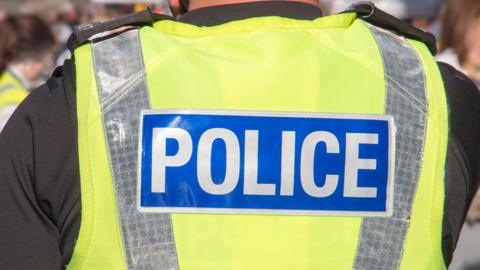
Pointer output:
x,y
249,135
26,47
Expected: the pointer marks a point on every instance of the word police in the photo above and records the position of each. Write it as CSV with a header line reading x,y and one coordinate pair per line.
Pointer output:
x,y
308,163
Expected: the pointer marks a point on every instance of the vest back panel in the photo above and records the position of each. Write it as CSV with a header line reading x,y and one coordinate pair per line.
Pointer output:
x,y
330,65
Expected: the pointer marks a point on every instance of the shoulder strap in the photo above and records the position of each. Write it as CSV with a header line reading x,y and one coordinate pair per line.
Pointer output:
x,y
82,32
371,14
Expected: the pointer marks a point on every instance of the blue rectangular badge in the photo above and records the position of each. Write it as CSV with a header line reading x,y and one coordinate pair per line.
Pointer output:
x,y
266,163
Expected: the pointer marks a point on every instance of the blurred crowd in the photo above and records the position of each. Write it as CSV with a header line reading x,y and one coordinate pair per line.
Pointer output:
x,y
33,43
455,23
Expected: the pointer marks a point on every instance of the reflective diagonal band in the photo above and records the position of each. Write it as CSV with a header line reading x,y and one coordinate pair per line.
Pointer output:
x,y
382,239
6,87
122,86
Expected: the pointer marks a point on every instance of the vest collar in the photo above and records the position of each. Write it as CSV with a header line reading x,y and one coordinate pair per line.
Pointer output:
x,y
216,15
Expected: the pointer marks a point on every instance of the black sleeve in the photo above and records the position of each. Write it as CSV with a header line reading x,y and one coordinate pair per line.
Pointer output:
x,y
463,155
39,182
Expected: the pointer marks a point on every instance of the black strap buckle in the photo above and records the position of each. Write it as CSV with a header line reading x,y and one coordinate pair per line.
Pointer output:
x,y
372,14
84,32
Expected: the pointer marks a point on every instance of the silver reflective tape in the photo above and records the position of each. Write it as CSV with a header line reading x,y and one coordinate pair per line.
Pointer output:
x,y
382,240
123,93
6,87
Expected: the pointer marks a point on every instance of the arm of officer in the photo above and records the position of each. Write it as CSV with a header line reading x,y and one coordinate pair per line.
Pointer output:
x,y
39,186
463,156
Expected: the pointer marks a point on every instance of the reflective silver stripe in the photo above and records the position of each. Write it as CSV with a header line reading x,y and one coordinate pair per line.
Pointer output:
x,y
123,93
382,240
6,87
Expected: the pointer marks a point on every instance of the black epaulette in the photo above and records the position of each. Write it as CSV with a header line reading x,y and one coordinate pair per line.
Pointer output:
x,y
366,10
371,14
83,32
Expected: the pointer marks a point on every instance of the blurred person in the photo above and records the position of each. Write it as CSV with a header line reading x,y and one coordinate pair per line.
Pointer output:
x,y
177,8
96,12
162,8
467,254
251,129
460,38
62,20
473,215
26,48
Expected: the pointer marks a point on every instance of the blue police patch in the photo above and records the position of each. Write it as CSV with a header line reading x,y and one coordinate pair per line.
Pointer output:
x,y
266,162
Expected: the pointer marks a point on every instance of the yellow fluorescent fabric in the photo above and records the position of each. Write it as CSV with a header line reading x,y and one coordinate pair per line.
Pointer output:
x,y
99,245
330,65
14,93
423,246
335,68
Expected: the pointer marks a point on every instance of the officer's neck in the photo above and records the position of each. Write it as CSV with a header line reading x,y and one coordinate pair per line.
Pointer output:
x,y
196,4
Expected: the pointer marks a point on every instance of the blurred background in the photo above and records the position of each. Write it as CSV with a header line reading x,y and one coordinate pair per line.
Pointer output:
x,y
33,36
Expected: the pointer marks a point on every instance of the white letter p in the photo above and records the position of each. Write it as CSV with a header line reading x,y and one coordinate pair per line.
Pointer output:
x,y
160,160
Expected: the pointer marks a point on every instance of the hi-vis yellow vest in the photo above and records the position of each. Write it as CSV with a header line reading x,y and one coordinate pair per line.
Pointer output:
x,y
335,68
11,90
